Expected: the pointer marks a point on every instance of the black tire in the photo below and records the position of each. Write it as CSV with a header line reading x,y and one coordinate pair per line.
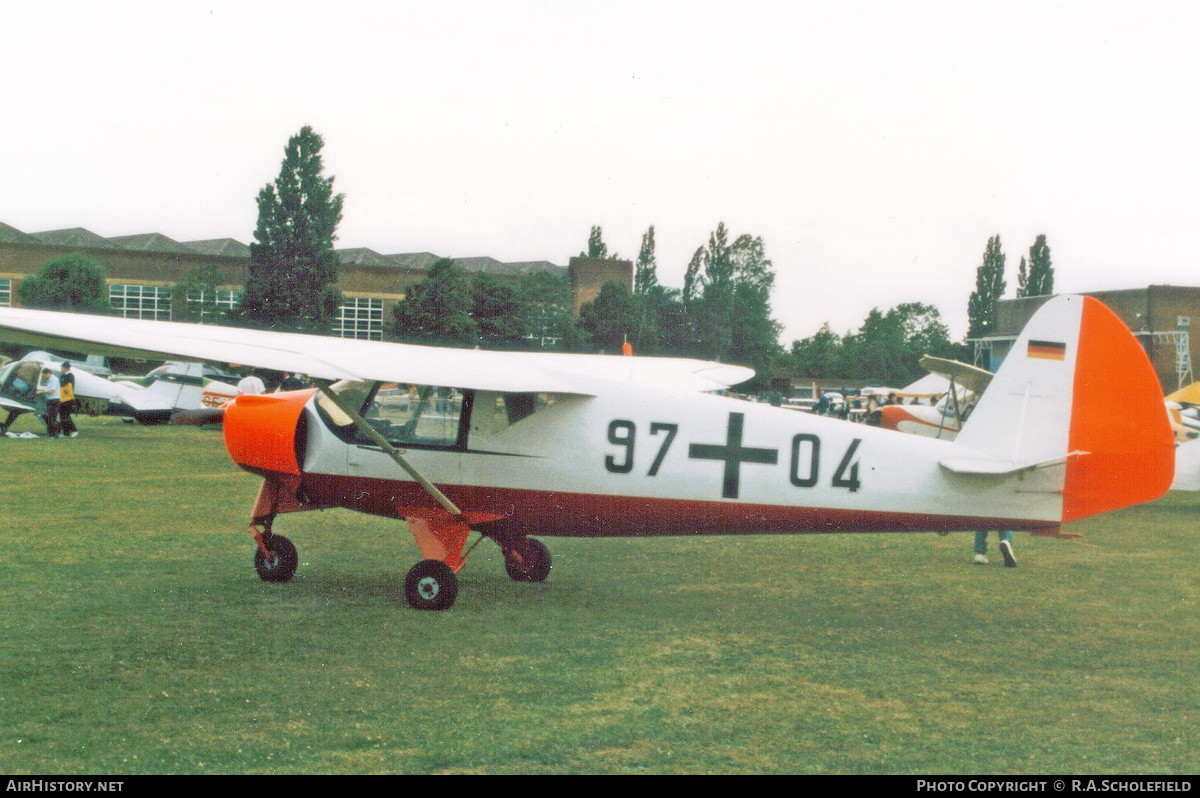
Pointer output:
x,y
283,564
154,418
535,565
431,585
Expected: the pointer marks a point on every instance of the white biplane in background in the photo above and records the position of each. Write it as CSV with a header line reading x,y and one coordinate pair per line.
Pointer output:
x,y
513,445
963,383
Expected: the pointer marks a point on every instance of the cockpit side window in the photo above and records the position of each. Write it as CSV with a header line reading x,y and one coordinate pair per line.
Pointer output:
x,y
495,412
421,416
21,381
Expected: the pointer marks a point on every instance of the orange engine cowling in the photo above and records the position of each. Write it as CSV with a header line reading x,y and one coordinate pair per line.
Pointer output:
x,y
263,432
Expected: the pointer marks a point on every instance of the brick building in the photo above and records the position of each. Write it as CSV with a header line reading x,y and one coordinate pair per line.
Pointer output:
x,y
1160,316
142,270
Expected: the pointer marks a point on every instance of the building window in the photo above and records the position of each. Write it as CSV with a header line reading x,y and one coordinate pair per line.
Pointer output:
x,y
140,301
227,301
360,317
5,292
545,324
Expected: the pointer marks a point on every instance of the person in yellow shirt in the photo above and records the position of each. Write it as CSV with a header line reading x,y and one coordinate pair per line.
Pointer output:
x,y
66,395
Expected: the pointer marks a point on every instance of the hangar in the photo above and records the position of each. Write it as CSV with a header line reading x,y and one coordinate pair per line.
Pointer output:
x,y
1160,316
142,269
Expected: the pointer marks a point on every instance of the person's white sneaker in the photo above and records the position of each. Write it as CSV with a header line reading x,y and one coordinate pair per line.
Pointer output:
x,y
981,559
1006,549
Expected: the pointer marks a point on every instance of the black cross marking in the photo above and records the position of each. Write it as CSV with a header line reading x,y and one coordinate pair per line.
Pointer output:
x,y
733,454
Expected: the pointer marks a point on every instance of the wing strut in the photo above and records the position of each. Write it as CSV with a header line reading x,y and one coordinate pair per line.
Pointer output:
x,y
396,454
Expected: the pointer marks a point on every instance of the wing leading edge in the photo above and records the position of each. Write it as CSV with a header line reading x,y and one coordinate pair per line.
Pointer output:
x,y
328,358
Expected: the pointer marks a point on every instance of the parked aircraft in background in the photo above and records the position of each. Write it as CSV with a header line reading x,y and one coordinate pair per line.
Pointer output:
x,y
188,386
945,419
513,445
92,364
178,386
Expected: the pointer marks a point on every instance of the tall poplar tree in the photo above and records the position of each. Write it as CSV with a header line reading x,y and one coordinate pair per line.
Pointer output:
x,y
596,246
645,277
293,270
1040,281
989,287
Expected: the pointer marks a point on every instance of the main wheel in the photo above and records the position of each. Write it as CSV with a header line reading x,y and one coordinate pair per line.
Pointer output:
x,y
431,585
534,563
283,561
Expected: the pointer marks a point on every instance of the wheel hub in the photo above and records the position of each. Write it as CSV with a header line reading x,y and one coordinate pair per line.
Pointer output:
x,y
428,588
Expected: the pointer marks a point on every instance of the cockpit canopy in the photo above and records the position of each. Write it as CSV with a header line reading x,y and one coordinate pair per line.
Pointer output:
x,y
425,416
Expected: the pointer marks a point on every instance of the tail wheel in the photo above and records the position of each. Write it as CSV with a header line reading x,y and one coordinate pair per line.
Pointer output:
x,y
281,565
431,585
528,561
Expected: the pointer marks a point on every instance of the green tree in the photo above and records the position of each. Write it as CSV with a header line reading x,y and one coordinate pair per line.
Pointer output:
x,y
596,246
989,287
731,318
819,356
887,348
293,271
754,334
610,318
437,310
645,276
548,305
879,352
499,311
72,282
924,332
1040,279
199,284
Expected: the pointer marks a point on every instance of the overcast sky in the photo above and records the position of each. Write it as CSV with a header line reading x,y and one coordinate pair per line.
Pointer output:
x,y
874,146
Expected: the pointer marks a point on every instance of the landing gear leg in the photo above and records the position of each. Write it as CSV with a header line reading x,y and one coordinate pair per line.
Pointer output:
x,y
275,558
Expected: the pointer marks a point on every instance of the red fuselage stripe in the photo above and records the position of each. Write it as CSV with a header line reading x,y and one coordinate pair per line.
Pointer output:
x,y
535,512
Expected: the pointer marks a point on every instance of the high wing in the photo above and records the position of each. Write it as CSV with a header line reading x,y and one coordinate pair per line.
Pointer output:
x,y
327,358
972,378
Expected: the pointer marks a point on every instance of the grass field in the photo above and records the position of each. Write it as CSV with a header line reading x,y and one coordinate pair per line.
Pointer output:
x,y
136,638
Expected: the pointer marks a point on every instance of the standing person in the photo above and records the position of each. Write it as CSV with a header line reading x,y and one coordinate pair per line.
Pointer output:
x,y
66,396
251,384
290,382
47,391
1006,548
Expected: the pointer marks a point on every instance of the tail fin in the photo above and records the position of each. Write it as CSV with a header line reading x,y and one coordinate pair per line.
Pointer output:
x,y
180,386
1076,388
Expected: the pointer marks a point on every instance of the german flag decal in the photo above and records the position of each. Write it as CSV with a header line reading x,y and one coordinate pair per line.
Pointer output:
x,y
1047,350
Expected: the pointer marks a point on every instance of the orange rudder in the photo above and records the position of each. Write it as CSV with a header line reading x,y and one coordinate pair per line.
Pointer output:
x,y
1118,418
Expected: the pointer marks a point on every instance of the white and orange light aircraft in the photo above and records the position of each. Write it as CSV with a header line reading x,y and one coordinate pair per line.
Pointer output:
x,y
513,445
944,419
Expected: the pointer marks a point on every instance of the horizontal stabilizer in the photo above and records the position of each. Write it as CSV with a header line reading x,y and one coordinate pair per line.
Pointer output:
x,y
988,465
